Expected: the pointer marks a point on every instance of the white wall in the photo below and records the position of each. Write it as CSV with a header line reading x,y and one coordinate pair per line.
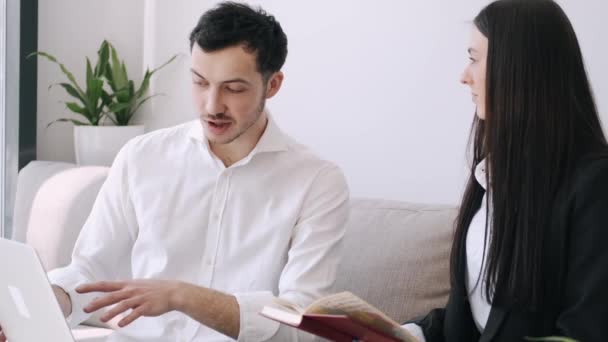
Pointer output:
x,y
372,87
71,30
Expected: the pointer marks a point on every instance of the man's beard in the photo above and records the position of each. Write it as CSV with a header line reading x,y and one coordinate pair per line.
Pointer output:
x,y
247,125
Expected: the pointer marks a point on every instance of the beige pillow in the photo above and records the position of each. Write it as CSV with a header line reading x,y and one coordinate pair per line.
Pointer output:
x,y
396,256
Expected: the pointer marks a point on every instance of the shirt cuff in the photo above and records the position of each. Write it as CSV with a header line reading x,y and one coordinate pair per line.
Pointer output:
x,y
415,330
68,283
253,326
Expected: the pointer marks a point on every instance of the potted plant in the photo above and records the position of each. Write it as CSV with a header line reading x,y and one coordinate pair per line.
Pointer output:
x,y
105,113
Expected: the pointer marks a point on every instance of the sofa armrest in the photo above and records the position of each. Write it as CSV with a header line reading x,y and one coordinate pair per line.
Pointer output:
x,y
30,179
52,203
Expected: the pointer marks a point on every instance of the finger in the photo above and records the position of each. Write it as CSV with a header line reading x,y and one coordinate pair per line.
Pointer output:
x,y
102,286
108,300
135,314
120,308
2,337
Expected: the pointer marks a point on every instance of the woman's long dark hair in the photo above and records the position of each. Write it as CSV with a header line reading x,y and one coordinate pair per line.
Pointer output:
x,y
540,119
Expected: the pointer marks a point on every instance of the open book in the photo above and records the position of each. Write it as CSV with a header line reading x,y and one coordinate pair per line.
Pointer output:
x,y
341,317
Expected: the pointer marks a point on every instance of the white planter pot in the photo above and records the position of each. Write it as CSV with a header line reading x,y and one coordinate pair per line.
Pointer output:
x,y
98,145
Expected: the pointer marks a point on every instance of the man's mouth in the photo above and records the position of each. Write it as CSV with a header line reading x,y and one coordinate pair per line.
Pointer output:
x,y
218,126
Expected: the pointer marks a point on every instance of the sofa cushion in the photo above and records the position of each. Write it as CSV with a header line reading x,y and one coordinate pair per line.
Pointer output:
x,y
396,256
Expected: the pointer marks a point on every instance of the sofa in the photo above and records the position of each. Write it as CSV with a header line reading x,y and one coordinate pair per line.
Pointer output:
x,y
396,254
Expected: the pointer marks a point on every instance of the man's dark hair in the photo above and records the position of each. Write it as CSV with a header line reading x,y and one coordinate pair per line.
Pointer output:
x,y
230,24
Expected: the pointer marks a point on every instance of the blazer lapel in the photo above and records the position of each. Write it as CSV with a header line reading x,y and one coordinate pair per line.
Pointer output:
x,y
497,316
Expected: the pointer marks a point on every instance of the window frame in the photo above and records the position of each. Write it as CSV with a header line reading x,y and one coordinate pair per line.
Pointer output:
x,y
10,17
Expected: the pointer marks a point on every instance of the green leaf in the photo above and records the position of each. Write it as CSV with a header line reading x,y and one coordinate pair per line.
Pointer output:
x,y
123,119
106,98
95,90
551,339
103,55
121,93
65,71
119,75
107,115
44,54
125,94
72,91
117,106
145,84
90,76
131,87
75,122
164,64
123,114
94,96
146,81
74,107
123,70
109,78
143,101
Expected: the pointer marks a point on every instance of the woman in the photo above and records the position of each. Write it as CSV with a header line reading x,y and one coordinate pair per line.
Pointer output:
x,y
530,254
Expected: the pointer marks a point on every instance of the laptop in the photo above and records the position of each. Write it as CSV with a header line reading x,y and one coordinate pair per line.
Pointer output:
x,y
28,308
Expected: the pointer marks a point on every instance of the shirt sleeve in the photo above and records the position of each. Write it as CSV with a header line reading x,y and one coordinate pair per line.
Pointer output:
x,y
310,271
415,330
102,250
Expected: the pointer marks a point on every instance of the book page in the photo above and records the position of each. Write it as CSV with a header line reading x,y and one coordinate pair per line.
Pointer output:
x,y
357,309
287,306
343,303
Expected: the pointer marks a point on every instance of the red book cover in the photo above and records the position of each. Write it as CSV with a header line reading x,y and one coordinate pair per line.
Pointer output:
x,y
345,328
363,326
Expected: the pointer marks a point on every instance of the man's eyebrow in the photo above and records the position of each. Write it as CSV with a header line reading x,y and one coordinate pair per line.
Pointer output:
x,y
237,80
232,80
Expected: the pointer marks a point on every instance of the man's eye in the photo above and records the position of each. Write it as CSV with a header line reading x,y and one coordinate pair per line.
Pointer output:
x,y
235,90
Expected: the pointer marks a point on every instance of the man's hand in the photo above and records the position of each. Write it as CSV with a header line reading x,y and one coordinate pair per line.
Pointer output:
x,y
144,297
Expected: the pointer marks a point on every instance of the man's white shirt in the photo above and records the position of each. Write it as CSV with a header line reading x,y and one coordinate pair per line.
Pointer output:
x,y
270,225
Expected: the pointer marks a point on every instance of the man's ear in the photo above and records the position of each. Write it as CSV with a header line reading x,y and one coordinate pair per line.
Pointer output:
x,y
274,84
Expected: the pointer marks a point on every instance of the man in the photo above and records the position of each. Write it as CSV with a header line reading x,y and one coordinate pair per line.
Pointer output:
x,y
199,226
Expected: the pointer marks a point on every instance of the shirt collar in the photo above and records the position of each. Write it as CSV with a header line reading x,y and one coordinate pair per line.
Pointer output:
x,y
272,140
480,173
195,131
